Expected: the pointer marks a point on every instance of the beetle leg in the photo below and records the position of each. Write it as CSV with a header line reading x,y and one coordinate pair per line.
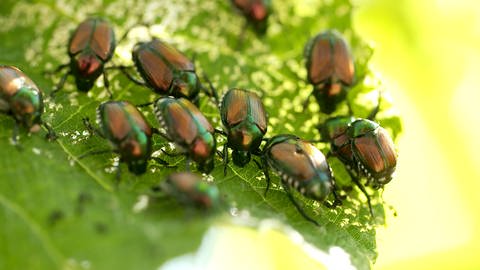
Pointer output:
x,y
297,205
305,102
51,135
225,159
94,152
267,175
106,83
123,69
219,131
213,92
90,128
60,84
171,154
364,191
161,134
163,162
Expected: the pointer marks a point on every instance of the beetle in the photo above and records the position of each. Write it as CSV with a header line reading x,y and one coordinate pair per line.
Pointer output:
x,y
191,190
127,130
90,47
21,98
300,165
330,69
166,71
185,125
245,120
364,147
256,13
373,151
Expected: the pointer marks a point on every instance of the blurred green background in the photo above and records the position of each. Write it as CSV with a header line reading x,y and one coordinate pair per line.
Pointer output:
x,y
427,53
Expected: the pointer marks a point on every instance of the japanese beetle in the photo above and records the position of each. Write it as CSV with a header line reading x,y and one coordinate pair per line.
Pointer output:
x,y
90,47
125,127
373,151
364,147
165,70
21,98
300,165
330,69
256,12
185,125
191,190
245,120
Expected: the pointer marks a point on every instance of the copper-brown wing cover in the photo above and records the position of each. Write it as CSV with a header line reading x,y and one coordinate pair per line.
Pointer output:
x,y
321,61
301,165
117,124
81,36
343,62
377,153
137,117
236,101
241,103
159,75
12,79
102,40
181,127
172,56
196,114
96,34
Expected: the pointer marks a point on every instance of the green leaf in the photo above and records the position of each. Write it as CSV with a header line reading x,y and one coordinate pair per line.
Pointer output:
x,y
59,211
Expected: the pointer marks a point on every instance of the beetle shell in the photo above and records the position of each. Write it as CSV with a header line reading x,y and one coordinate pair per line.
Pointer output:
x,y
256,12
330,67
373,150
188,128
166,70
128,131
90,47
21,97
245,119
190,189
300,165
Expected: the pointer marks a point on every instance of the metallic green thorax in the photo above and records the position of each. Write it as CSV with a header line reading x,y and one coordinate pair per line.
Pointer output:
x,y
360,127
128,131
335,126
300,165
20,97
185,84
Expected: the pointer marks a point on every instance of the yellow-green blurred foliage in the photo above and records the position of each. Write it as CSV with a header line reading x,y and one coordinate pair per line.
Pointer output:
x,y
428,53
